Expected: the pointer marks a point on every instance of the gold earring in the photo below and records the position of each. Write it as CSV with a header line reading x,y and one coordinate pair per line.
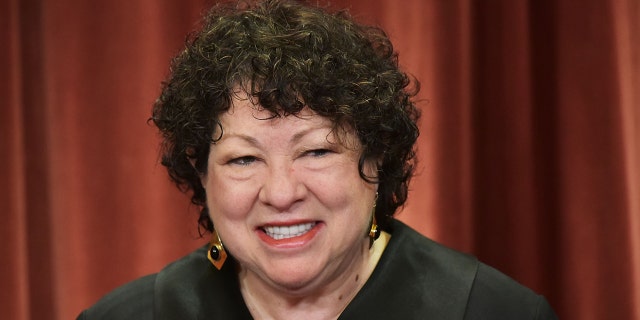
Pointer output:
x,y
216,254
374,233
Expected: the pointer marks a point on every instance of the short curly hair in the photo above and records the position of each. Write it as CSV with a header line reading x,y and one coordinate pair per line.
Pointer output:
x,y
288,56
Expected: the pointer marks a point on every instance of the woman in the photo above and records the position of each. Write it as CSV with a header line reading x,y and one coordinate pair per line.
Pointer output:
x,y
295,131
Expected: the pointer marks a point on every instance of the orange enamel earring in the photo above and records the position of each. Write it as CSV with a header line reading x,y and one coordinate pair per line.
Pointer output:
x,y
216,254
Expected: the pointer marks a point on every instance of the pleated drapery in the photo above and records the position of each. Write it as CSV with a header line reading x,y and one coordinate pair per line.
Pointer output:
x,y
529,148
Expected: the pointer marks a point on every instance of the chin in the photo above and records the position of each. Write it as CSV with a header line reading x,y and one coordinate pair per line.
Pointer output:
x,y
293,281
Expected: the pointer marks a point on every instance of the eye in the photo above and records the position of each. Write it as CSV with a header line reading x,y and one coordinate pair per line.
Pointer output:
x,y
318,152
243,161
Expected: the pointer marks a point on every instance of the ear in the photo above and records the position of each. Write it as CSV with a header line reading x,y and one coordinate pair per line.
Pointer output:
x,y
192,161
190,153
371,168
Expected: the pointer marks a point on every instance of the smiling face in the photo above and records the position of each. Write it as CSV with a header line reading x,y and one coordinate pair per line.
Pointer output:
x,y
287,199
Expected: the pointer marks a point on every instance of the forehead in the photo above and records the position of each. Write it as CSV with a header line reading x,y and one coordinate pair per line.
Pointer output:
x,y
247,114
245,118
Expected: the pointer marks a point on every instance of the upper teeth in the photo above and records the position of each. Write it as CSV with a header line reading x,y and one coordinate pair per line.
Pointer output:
x,y
284,232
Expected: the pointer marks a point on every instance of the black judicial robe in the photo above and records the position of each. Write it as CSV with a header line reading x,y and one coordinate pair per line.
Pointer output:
x,y
416,278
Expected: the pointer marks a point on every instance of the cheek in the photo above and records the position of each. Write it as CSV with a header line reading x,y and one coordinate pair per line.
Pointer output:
x,y
343,189
228,200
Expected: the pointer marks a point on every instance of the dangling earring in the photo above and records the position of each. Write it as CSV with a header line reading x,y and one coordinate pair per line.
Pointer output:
x,y
374,233
216,254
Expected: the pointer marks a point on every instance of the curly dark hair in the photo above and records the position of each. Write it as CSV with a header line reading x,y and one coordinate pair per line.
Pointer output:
x,y
289,56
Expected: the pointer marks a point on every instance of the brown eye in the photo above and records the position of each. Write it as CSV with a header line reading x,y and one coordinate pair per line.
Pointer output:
x,y
243,161
318,152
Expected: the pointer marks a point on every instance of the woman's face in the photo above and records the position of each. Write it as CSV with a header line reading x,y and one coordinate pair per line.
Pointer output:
x,y
286,198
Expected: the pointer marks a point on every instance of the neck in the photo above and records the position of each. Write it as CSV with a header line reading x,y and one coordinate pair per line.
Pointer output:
x,y
267,302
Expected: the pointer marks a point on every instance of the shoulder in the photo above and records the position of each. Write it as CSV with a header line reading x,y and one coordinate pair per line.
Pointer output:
x,y
494,295
133,300
415,278
139,299
428,278
184,289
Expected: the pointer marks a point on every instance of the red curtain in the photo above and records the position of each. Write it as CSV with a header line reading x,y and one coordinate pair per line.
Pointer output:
x,y
529,147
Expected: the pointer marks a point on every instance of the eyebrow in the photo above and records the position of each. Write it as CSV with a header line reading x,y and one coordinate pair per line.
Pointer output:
x,y
298,136
254,142
251,140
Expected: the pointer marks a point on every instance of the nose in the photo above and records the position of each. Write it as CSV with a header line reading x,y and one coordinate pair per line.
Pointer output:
x,y
282,187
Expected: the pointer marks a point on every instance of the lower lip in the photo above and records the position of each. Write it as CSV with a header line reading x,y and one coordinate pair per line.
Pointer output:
x,y
293,242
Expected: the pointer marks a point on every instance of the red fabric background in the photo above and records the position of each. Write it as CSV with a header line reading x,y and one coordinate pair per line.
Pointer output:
x,y
530,144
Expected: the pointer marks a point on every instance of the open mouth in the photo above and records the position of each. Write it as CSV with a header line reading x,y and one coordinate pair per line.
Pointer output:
x,y
286,232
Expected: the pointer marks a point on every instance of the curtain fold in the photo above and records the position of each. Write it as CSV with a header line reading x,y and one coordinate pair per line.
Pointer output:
x,y
529,149
16,165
